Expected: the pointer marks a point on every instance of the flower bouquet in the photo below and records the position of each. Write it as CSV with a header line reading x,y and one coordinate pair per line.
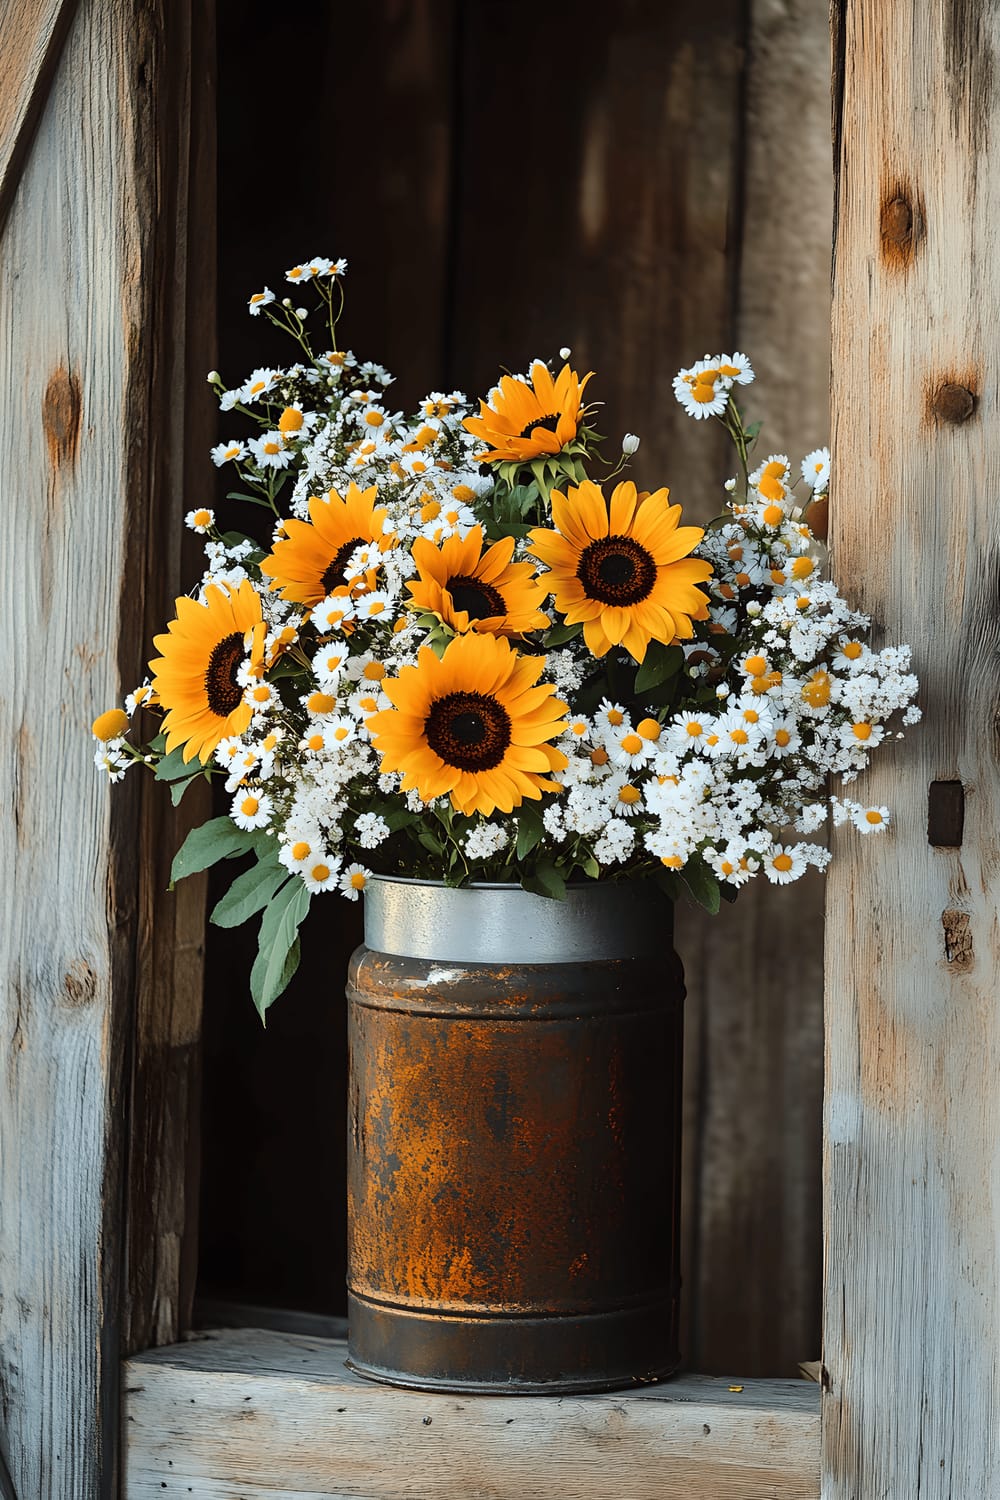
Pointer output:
x,y
463,645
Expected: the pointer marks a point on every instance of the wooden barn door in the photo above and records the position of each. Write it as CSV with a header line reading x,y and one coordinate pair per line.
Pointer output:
x,y
101,182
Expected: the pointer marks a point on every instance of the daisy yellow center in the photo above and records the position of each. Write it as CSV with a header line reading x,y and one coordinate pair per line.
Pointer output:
x,y
738,736
672,861
333,577
862,731
782,862
300,850
816,691
649,729
249,806
703,391
632,744
469,730
321,872
616,570
599,757
755,665
629,794
374,671
693,728
221,688
202,517
358,881
290,420
852,650
110,725
872,816
479,600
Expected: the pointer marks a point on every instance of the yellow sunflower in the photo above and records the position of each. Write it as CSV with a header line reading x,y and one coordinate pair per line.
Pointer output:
x,y
529,421
623,570
475,590
475,723
309,563
195,676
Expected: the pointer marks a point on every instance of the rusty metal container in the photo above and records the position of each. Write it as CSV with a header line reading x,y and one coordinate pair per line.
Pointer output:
x,y
514,1139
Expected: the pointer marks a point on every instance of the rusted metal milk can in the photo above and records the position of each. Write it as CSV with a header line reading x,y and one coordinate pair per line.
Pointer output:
x,y
514,1138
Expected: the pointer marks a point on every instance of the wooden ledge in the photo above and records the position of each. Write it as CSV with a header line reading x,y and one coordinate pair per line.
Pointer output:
x,y
277,1416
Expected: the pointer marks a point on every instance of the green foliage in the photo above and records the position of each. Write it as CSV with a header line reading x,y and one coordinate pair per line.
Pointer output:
x,y
278,944
251,891
205,846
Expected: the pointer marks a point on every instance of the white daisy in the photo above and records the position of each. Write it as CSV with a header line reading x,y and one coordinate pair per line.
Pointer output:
x,y
353,881
251,809
226,453
259,301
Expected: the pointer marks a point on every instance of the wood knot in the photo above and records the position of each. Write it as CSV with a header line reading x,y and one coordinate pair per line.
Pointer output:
x,y
62,409
80,983
953,403
901,225
957,941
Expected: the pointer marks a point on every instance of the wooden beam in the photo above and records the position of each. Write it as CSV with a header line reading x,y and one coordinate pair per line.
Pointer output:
x,y
32,34
912,1162
85,308
281,1416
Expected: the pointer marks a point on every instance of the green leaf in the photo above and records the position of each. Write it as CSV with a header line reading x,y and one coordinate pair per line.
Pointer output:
x,y
701,884
278,945
530,829
174,767
590,867
545,881
563,632
661,663
430,842
218,839
250,892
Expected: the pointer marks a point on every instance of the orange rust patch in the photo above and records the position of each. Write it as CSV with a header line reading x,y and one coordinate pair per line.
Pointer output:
x,y
62,409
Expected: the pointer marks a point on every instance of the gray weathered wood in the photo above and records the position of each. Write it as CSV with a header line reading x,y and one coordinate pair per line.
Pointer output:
x,y
912,1328
32,33
84,290
280,1417
754,1055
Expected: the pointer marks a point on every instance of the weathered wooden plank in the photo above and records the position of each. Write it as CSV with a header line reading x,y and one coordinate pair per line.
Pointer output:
x,y
282,1417
912,1326
32,34
755,1060
80,275
163,1165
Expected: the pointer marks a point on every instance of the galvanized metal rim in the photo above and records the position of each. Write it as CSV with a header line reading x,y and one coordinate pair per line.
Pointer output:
x,y
495,923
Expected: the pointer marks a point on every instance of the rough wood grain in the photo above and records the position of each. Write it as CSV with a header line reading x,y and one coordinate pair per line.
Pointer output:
x,y
912,1327
172,455
69,349
754,1062
280,1417
32,34
81,289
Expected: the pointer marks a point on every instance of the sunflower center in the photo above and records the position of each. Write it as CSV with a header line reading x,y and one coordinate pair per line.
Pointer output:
x,y
221,688
334,578
479,600
616,570
550,423
468,730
